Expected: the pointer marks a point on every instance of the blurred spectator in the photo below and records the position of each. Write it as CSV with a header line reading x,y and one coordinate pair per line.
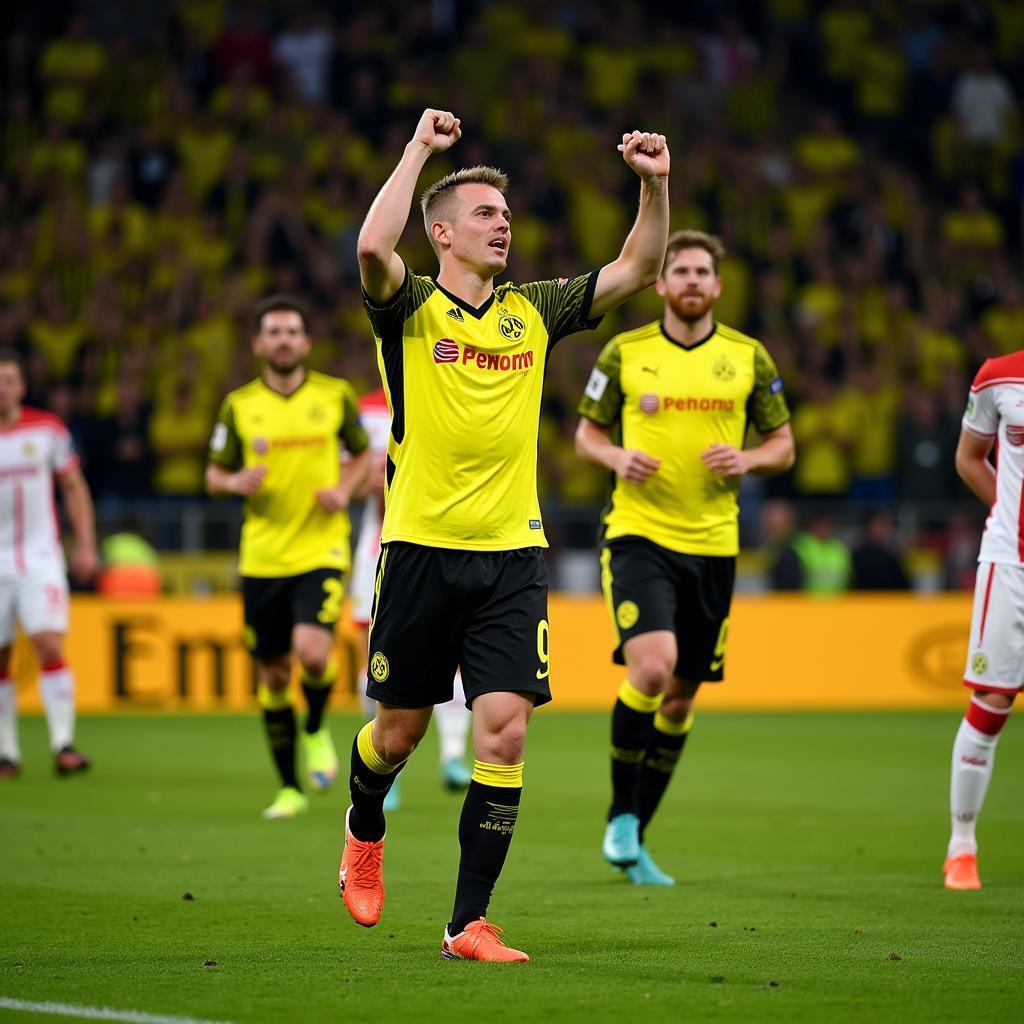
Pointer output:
x,y
304,51
877,562
124,466
131,565
778,532
825,563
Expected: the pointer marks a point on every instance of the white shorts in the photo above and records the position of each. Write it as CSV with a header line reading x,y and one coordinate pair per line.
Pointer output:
x,y
364,571
995,654
37,601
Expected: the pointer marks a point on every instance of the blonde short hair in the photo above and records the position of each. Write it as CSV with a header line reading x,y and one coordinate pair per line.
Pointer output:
x,y
434,200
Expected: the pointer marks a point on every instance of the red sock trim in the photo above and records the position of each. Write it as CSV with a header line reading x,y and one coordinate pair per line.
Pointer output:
x,y
55,666
986,719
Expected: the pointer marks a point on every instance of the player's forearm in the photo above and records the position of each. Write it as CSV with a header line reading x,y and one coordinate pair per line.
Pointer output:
x,y
81,515
773,455
389,212
595,445
979,475
219,481
639,263
644,248
356,475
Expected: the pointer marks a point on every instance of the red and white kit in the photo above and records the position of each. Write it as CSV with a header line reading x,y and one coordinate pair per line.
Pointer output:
x,y
995,409
373,411
33,574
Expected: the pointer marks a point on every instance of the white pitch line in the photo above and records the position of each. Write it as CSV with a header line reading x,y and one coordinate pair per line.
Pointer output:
x,y
98,1012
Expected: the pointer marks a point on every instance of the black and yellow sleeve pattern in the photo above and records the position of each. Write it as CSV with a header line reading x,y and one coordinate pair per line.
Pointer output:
x,y
602,397
564,305
225,444
352,432
768,408
387,320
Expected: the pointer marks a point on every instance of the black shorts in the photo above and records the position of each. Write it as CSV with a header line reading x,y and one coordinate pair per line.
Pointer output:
x,y
274,605
650,588
437,609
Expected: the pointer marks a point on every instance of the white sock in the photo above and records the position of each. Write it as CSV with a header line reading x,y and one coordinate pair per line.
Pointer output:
x,y
9,721
368,704
58,688
973,756
453,718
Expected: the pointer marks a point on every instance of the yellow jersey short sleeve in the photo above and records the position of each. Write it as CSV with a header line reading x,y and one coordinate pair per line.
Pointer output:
x,y
672,402
298,438
464,388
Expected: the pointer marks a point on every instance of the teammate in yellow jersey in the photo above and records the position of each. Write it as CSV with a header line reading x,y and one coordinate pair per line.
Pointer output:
x,y
277,443
678,396
461,578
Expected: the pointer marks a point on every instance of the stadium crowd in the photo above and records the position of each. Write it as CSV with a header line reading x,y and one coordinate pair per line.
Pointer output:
x,y
165,165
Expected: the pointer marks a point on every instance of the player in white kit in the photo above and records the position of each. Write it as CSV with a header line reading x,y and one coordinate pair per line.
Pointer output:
x,y
35,449
995,658
453,718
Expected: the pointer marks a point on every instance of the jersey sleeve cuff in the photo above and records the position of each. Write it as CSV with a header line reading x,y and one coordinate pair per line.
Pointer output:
x,y
977,433
385,306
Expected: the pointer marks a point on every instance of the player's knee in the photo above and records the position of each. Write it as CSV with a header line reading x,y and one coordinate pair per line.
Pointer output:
x,y
675,709
652,674
49,648
275,677
504,744
998,701
399,742
314,662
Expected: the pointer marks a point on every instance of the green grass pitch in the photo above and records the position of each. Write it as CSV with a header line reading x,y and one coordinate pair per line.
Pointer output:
x,y
808,850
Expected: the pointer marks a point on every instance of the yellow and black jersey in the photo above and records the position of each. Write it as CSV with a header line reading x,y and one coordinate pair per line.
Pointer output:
x,y
672,402
464,388
298,437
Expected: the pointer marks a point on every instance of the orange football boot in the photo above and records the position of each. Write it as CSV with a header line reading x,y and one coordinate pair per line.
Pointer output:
x,y
481,941
361,877
961,872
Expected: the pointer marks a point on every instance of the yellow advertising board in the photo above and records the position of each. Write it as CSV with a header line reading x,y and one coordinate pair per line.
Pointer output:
x,y
869,651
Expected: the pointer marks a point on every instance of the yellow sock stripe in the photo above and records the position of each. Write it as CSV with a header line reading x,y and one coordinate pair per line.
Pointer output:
x,y
670,728
330,673
273,700
507,776
372,760
633,698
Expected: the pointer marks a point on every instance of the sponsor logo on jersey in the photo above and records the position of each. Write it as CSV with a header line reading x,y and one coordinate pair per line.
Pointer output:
x,y
379,667
723,369
979,664
456,314
693,404
649,404
446,351
510,327
1015,434
627,614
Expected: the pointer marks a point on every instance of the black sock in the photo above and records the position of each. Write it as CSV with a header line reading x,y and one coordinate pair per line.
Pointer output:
x,y
485,832
317,695
368,789
631,731
280,726
660,760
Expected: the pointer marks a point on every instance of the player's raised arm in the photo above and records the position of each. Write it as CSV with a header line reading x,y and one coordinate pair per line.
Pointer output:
x,y
381,269
642,253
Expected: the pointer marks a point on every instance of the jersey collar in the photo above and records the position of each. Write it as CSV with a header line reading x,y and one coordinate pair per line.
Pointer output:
x,y
474,311
688,348
281,394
